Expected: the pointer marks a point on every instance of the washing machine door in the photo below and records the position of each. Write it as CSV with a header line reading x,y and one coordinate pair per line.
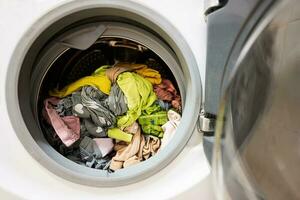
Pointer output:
x,y
229,23
256,154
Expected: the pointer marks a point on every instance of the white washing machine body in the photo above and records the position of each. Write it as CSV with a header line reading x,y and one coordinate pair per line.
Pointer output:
x,y
23,177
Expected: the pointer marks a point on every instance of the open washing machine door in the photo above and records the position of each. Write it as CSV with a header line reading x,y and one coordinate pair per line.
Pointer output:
x,y
229,23
256,152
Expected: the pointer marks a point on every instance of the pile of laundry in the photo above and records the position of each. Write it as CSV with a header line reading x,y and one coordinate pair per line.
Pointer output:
x,y
118,116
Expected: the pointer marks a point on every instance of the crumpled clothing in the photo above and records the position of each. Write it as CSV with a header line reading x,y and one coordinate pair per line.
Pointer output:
x,y
116,101
90,146
120,145
151,122
98,80
152,109
89,104
118,134
150,74
151,146
50,133
67,128
64,107
131,161
93,129
170,128
90,161
83,130
134,149
167,92
105,145
154,130
163,104
92,151
139,94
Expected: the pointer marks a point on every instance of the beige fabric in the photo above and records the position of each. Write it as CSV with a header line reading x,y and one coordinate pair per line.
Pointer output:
x,y
131,161
151,146
134,149
120,145
138,149
113,73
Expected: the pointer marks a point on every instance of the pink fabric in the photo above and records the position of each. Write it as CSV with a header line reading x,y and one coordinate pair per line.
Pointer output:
x,y
67,128
105,145
167,92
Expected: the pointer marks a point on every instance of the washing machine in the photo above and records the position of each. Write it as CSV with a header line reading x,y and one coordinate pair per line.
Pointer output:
x,y
234,64
39,41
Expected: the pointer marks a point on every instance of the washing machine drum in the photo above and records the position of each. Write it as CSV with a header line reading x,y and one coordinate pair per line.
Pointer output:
x,y
257,149
72,42
74,56
74,64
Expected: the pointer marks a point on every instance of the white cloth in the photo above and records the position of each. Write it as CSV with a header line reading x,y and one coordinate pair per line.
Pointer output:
x,y
170,128
105,145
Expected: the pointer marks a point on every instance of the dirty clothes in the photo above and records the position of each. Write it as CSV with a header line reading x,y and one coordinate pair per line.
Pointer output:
x,y
167,92
105,145
131,161
134,149
163,104
151,146
117,134
151,75
116,101
98,80
83,130
93,150
64,150
64,107
139,94
93,129
115,118
50,133
119,145
152,109
67,128
151,122
169,128
89,104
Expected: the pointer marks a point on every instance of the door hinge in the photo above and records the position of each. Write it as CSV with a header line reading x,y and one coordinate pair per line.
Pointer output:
x,y
213,5
206,123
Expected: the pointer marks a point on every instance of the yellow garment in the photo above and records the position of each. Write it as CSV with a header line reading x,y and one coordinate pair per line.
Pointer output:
x,y
101,70
116,133
150,74
139,95
98,79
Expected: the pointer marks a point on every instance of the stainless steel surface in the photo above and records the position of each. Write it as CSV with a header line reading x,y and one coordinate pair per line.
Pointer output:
x,y
260,113
206,124
210,4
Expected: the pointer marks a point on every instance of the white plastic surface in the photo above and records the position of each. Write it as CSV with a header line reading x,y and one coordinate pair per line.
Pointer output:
x,y
187,177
